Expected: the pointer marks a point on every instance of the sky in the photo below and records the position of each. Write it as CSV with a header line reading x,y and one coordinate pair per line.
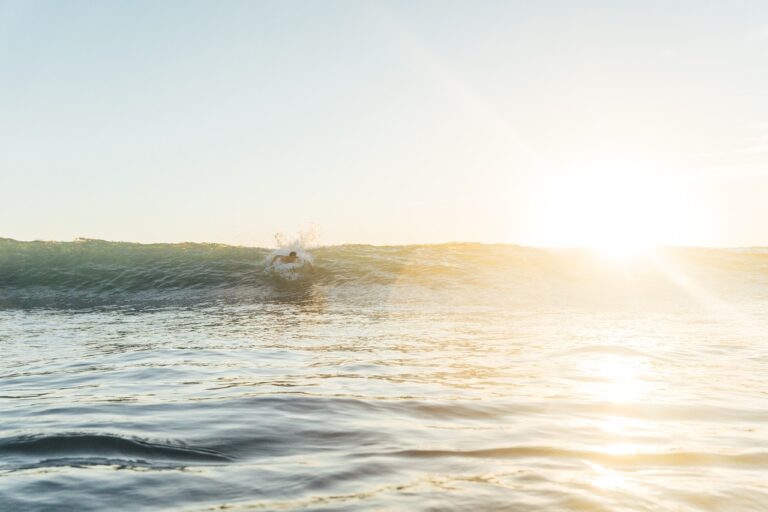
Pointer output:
x,y
391,122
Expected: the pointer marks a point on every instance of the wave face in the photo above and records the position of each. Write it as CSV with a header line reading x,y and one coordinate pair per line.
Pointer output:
x,y
116,267
95,272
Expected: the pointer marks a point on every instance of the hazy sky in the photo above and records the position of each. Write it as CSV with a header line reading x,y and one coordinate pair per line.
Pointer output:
x,y
528,122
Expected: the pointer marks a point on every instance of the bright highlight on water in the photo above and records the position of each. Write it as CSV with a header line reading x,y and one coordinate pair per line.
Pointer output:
x,y
437,377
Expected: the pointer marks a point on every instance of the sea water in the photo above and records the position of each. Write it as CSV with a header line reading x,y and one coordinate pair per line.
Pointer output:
x,y
446,377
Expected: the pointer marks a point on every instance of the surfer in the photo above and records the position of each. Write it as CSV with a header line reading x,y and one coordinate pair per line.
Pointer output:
x,y
291,258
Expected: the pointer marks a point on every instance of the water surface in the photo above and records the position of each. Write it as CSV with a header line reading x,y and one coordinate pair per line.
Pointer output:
x,y
451,377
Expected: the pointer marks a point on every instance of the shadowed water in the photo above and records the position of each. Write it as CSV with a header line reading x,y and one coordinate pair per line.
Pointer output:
x,y
451,377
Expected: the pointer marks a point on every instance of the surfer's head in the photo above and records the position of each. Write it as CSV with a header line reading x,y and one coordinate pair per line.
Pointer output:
x,y
293,253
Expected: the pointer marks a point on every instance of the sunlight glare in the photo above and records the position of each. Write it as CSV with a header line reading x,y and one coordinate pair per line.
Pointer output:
x,y
619,215
607,479
615,378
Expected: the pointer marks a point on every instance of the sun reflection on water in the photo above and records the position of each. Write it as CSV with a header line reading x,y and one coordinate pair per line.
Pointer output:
x,y
605,478
619,425
621,380
616,379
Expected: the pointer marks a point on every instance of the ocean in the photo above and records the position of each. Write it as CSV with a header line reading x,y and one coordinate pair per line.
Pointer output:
x,y
193,377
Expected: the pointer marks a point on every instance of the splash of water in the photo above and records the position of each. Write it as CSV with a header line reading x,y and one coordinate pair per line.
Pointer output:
x,y
276,264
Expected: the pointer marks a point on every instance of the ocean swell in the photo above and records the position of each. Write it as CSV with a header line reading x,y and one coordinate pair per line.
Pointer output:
x,y
97,272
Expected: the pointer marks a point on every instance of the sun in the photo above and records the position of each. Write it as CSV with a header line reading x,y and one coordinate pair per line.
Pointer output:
x,y
620,216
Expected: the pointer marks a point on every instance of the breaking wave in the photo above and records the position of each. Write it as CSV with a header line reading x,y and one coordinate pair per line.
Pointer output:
x,y
101,272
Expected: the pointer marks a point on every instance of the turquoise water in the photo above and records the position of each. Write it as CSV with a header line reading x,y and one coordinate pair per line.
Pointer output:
x,y
448,377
